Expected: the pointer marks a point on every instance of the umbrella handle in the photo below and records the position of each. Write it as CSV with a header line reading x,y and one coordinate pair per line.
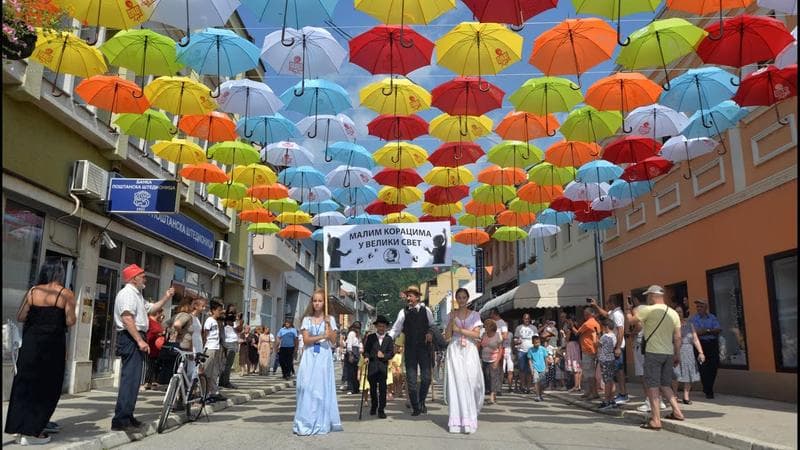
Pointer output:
x,y
181,43
309,134
302,88
624,129
404,43
93,41
346,181
721,29
391,87
627,41
218,92
724,147
481,86
710,123
689,177
577,86
246,134
782,121
284,42
735,81
463,130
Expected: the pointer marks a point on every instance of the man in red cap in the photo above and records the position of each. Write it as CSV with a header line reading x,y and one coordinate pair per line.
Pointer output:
x,y
130,318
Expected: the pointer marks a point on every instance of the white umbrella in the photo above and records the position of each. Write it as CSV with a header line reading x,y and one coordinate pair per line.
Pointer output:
x,y
315,52
656,121
679,148
289,154
328,218
348,177
784,6
355,210
193,14
329,127
543,230
609,203
248,97
576,191
788,55
311,194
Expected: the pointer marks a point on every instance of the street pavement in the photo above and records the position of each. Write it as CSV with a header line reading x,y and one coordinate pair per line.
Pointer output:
x,y
514,423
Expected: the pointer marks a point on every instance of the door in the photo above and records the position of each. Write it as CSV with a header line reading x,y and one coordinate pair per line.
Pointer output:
x,y
104,333
68,262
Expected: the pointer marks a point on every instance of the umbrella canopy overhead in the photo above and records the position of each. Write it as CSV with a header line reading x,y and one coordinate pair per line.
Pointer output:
x,y
514,13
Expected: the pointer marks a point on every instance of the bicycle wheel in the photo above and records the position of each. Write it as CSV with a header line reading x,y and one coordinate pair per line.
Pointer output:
x,y
169,400
197,398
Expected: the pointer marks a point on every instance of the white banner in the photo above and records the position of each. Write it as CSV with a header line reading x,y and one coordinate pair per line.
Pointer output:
x,y
390,246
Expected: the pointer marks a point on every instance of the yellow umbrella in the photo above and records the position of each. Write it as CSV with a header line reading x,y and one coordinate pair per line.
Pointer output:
x,y
448,177
400,196
180,95
244,204
294,218
253,175
116,14
401,155
179,151
407,11
398,97
447,209
67,53
474,48
451,128
400,217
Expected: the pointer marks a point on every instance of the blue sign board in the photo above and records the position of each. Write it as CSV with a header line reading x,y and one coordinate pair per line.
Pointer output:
x,y
178,229
142,196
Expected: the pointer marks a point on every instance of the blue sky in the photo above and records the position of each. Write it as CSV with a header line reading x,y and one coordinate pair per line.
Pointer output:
x,y
353,77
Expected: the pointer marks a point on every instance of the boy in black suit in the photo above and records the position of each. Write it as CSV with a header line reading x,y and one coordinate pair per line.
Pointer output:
x,y
379,348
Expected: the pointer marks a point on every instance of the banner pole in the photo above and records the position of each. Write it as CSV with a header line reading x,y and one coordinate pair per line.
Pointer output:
x,y
325,287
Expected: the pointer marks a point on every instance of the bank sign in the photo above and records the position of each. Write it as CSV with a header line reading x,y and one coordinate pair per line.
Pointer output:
x,y
142,196
178,229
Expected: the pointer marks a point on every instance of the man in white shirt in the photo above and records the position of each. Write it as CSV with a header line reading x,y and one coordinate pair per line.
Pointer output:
x,y
230,345
212,349
618,317
130,318
524,337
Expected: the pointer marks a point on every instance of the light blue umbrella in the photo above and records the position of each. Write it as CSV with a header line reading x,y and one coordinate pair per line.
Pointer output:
x,y
598,171
219,51
318,235
698,89
364,219
605,224
311,194
301,177
267,129
295,13
347,177
324,206
552,217
714,121
622,189
355,195
351,154
248,96
316,97
328,218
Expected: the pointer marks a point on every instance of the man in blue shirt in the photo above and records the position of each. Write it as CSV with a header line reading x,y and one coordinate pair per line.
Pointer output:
x,y
537,356
287,339
708,328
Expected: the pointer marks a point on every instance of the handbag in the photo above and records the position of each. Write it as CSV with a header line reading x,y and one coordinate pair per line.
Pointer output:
x,y
644,341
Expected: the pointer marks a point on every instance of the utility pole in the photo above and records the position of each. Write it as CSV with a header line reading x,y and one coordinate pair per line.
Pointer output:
x,y
248,278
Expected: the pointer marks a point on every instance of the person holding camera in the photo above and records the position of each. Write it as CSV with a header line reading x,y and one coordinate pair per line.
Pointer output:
x,y
230,345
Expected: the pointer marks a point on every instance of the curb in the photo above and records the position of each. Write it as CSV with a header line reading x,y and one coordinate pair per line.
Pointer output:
x,y
730,440
118,438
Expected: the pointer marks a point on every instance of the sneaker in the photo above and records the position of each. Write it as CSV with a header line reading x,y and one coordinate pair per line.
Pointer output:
x,y
52,427
541,398
621,399
644,407
220,398
607,406
33,440
135,422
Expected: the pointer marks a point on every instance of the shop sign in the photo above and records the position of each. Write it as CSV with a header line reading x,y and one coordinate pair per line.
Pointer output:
x,y
142,196
178,229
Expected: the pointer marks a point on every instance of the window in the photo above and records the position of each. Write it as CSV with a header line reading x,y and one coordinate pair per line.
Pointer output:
x,y
133,256
180,273
782,290
22,243
266,310
566,231
725,296
152,264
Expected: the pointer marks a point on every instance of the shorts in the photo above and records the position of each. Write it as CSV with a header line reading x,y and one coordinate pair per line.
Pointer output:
x,y
638,358
508,361
588,363
608,369
619,363
522,362
658,370
538,376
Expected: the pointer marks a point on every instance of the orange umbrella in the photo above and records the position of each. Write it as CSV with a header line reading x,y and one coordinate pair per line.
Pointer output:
x,y
471,236
573,46
516,219
706,7
114,94
534,193
572,153
204,173
295,232
483,209
524,126
502,176
212,127
257,216
622,91
275,191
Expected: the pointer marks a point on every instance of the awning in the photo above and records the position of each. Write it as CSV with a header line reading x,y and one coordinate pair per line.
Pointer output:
x,y
552,293
336,306
502,302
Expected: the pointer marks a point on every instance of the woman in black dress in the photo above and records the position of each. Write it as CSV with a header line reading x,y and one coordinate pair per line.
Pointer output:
x,y
46,311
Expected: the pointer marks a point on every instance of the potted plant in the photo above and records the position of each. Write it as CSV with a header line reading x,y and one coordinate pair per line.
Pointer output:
x,y
20,19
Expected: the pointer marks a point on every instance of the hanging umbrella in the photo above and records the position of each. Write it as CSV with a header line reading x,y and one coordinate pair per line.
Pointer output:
x,y
143,51
400,155
245,96
355,210
244,204
509,234
113,94
390,127
515,154
546,174
116,14
311,194
326,206
302,177
281,205
515,219
448,176
443,210
351,154
471,220
590,125
598,171
494,194
150,125
473,48
382,50
714,121
514,13
406,11
563,204
622,92
585,191
615,10
382,208
253,174
440,195
524,126
430,218
788,55
471,236
656,121
67,53
767,87
699,89
660,43
390,96
542,230
555,218
400,196
463,96
212,127
291,12
193,14
680,148
621,189
234,153
287,154
295,232
521,206
316,97
263,192
232,191
706,7
453,128
537,194
502,176
267,129
262,227
591,215
398,178
180,95
477,208
347,176
218,51
572,153
204,173
454,154
337,128
630,149
545,95
610,203
331,218
364,219
573,46
647,171
256,216
179,151
604,224
293,218
355,195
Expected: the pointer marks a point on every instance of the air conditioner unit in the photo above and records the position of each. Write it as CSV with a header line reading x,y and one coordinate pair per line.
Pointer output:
x,y
89,180
222,252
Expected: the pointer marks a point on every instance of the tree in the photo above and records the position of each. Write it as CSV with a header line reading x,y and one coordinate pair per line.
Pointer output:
x,y
373,283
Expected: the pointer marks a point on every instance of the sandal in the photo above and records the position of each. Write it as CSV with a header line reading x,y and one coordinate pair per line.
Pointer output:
x,y
672,416
686,402
649,426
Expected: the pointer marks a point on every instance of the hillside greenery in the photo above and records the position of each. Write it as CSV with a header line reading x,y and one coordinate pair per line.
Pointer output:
x,y
374,283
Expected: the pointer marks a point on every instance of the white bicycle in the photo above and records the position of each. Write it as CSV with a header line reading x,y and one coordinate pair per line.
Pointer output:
x,y
192,389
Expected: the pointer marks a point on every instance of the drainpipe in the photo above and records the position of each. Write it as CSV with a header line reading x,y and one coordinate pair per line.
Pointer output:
x,y
598,258
247,278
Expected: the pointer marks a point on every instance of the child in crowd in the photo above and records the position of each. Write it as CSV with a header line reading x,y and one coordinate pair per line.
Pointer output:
x,y
550,378
561,375
396,367
605,359
537,356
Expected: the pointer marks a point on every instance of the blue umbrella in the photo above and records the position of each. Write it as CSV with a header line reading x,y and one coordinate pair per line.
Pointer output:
x,y
698,89
319,207
604,224
294,13
219,51
355,195
622,189
267,129
714,121
316,97
552,217
301,177
598,171
364,219
318,235
351,154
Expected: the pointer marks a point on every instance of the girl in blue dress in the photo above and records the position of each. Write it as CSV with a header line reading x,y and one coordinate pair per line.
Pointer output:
x,y
317,408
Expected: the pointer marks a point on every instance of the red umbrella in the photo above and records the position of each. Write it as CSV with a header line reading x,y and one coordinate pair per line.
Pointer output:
x,y
513,12
744,40
466,96
647,169
631,149
398,177
381,208
439,195
590,215
390,127
390,49
429,218
563,204
767,87
454,154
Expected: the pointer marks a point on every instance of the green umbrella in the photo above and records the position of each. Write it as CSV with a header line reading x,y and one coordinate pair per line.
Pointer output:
x,y
545,95
515,154
470,220
494,194
547,174
234,153
143,51
510,234
660,43
263,228
233,191
587,124
614,9
282,205
151,125
521,206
